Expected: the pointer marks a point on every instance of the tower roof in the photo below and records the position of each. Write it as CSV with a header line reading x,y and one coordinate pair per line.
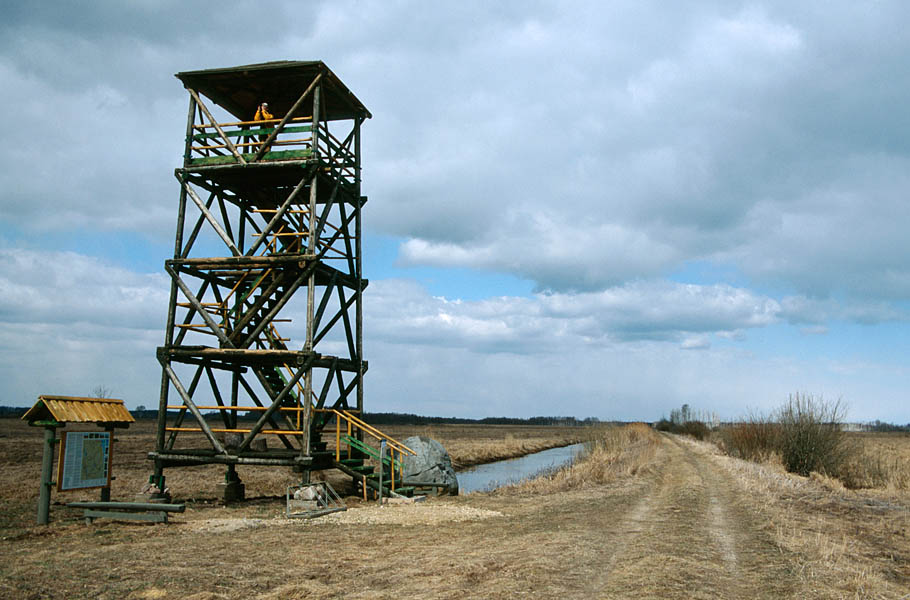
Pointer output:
x,y
239,90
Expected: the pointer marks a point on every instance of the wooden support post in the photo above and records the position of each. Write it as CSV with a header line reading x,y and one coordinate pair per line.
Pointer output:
x,y
190,117
310,308
382,452
235,392
47,474
105,495
172,304
358,262
317,106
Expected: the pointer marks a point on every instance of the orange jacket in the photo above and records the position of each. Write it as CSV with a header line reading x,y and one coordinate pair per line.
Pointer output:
x,y
262,114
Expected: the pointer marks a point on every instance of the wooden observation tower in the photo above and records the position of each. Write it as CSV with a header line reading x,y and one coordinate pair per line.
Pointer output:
x,y
264,324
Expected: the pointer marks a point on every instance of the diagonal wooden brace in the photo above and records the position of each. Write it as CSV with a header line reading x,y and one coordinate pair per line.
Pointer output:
x,y
324,217
214,123
281,210
276,403
199,308
193,409
281,302
255,398
210,217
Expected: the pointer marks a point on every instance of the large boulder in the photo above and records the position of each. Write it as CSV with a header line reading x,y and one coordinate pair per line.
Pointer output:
x,y
432,464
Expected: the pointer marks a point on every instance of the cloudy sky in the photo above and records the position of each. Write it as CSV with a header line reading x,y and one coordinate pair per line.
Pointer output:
x,y
576,208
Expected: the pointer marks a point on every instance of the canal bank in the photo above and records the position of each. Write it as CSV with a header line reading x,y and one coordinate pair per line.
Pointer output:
x,y
489,476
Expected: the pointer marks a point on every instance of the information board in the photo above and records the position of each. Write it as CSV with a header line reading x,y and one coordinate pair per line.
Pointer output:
x,y
85,460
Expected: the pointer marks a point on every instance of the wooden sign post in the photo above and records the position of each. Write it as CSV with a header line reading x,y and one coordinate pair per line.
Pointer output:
x,y
87,464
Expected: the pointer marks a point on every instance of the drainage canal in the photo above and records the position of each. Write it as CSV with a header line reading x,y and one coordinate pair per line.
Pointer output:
x,y
490,476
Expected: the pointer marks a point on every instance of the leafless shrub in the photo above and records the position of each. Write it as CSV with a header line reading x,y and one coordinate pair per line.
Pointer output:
x,y
806,433
811,437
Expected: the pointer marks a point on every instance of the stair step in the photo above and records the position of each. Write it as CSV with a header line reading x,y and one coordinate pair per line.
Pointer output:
x,y
352,462
405,491
363,470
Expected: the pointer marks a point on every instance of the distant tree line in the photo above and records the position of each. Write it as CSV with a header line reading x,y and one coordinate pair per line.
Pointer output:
x,y
377,418
881,427
11,412
388,418
684,421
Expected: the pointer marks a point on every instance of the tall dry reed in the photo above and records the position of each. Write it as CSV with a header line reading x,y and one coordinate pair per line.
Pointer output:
x,y
877,461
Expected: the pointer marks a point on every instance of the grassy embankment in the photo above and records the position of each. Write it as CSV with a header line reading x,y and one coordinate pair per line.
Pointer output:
x,y
610,453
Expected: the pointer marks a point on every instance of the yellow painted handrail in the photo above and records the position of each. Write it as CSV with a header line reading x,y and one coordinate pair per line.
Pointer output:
x,y
373,431
394,445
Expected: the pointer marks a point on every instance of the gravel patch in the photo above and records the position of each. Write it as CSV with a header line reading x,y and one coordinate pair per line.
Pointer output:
x,y
409,514
402,514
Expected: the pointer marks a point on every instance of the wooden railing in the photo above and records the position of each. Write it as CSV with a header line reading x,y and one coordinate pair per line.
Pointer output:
x,y
209,147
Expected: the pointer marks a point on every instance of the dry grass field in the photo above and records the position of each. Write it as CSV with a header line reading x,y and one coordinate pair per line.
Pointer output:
x,y
21,450
645,515
879,461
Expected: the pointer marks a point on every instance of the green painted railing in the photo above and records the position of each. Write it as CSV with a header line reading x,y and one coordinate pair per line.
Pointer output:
x,y
369,450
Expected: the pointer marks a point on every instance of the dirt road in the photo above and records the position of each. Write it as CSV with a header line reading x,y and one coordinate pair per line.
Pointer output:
x,y
689,535
679,524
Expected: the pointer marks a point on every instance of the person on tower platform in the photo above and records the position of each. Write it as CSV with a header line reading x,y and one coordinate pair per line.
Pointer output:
x,y
263,114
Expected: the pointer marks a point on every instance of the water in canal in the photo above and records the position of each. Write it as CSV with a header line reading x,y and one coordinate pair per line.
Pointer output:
x,y
483,478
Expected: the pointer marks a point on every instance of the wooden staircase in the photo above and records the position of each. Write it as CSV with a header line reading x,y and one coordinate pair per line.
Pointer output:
x,y
353,459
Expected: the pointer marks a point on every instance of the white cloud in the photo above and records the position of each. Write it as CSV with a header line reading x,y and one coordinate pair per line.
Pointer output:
x,y
620,353
592,148
402,312
582,146
69,323
65,287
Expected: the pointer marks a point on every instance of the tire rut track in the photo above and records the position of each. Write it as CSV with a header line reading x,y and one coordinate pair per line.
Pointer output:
x,y
692,539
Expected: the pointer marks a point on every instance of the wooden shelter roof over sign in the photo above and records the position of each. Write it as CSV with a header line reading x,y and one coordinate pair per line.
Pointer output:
x,y
73,409
239,90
